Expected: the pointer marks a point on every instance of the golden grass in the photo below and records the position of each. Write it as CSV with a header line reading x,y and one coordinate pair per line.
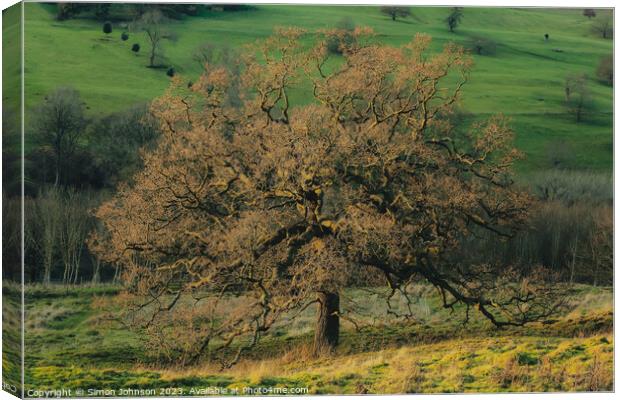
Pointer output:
x,y
510,364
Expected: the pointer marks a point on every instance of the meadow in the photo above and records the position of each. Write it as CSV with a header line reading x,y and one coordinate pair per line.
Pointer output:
x,y
72,343
524,78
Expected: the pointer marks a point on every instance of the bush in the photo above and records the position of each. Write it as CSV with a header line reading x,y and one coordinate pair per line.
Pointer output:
x,y
605,70
482,46
107,27
124,36
170,72
135,48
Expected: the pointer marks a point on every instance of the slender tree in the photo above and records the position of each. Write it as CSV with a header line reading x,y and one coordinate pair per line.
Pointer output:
x,y
151,22
282,207
578,95
454,19
48,221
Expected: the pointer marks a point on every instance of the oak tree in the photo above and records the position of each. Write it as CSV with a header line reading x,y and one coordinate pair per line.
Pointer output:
x,y
246,215
396,12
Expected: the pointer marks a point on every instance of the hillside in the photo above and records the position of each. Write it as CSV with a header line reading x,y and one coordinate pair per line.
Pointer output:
x,y
524,79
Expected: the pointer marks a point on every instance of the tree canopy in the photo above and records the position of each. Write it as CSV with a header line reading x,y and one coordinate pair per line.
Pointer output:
x,y
283,205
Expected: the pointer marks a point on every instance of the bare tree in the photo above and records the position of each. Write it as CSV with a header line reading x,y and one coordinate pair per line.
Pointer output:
x,y
48,218
151,23
604,27
396,12
58,123
73,232
270,209
605,70
577,95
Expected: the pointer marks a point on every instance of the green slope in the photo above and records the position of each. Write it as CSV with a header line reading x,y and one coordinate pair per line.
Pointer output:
x,y
524,79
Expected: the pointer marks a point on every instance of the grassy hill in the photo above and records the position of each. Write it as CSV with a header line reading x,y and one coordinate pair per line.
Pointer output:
x,y
524,79
71,343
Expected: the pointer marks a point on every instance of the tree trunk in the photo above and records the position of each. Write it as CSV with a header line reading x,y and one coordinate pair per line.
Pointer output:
x,y
47,275
327,323
96,276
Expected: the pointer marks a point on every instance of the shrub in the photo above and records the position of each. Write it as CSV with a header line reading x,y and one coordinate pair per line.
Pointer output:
x,y
124,36
107,27
170,72
135,48
483,46
605,70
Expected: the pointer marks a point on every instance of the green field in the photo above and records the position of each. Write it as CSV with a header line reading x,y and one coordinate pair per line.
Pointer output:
x,y
71,343
523,80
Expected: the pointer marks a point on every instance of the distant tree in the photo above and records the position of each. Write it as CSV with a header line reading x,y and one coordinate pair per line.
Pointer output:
x,y
578,97
135,48
603,27
454,19
605,70
172,11
546,37
170,72
483,46
396,12
99,11
58,123
102,10
589,12
151,23
341,38
68,10
114,142
124,36
107,27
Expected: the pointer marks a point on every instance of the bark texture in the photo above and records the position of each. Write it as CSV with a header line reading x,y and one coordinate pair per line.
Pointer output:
x,y
327,324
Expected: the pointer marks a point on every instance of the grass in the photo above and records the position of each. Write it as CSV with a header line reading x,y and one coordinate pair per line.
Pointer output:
x,y
69,345
523,80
